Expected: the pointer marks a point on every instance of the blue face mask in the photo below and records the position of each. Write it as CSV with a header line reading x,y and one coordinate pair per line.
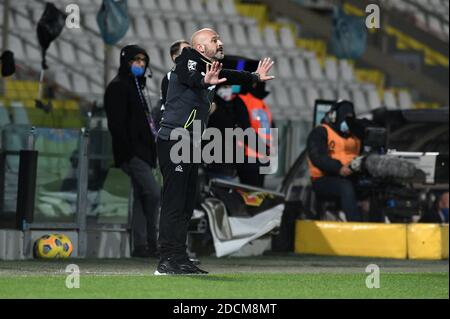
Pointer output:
x,y
236,89
344,127
137,70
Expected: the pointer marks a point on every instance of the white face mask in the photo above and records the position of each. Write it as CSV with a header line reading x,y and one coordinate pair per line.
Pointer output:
x,y
225,93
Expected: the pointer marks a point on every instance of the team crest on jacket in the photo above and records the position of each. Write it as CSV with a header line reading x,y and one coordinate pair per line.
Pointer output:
x,y
192,65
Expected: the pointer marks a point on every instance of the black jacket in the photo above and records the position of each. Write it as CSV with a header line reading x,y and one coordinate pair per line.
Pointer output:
x,y
317,147
188,97
127,119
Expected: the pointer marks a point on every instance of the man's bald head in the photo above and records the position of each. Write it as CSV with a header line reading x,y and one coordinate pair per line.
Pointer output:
x,y
200,36
207,42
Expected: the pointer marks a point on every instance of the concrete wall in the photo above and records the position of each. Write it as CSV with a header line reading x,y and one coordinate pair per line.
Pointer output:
x,y
108,244
11,244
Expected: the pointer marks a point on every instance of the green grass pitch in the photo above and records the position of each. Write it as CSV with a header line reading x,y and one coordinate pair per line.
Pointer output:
x,y
295,277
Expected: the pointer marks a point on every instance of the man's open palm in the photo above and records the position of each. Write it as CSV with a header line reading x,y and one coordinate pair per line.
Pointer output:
x,y
212,74
264,67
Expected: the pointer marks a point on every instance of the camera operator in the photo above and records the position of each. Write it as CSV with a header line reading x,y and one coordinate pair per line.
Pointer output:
x,y
331,148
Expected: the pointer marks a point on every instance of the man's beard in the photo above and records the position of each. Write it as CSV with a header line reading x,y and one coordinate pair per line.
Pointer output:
x,y
219,55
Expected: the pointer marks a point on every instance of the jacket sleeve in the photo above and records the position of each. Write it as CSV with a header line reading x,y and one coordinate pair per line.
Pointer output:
x,y
238,77
164,88
189,76
115,102
317,146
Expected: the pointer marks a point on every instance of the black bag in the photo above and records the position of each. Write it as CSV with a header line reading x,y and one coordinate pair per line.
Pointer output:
x,y
8,64
49,28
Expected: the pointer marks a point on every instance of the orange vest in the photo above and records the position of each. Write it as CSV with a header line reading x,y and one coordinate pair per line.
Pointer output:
x,y
339,148
260,118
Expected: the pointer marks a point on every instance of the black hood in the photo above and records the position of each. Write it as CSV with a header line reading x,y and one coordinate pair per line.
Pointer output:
x,y
344,109
195,56
127,54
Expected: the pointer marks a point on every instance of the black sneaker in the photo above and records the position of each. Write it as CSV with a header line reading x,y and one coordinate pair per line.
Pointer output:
x,y
195,261
169,267
188,266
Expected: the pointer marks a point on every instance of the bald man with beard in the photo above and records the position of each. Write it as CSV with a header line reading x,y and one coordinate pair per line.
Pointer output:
x,y
189,98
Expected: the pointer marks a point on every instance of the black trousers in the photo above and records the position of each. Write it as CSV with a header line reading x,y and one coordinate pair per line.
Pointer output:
x,y
178,202
146,198
343,189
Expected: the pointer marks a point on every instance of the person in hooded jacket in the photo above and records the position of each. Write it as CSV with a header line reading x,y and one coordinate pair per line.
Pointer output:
x,y
189,101
331,147
133,133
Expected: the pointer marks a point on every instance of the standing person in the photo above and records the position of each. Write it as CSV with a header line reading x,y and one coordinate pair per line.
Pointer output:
x,y
190,95
134,145
175,51
257,115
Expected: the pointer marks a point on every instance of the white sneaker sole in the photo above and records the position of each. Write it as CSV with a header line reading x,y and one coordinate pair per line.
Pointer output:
x,y
157,273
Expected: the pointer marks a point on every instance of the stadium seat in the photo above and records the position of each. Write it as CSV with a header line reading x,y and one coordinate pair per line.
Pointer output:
x,y
80,84
16,45
405,100
331,70
20,22
159,29
181,6
225,35
389,100
213,8
287,38
360,102
197,8
255,37
165,5
343,94
142,28
90,20
327,94
175,30
282,98
229,8
300,70
34,55
190,27
284,67
434,24
311,96
63,79
315,69
346,71
297,97
374,99
155,57
270,38
240,35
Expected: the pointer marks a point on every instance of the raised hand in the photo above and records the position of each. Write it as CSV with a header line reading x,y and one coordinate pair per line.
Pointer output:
x,y
264,67
212,74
